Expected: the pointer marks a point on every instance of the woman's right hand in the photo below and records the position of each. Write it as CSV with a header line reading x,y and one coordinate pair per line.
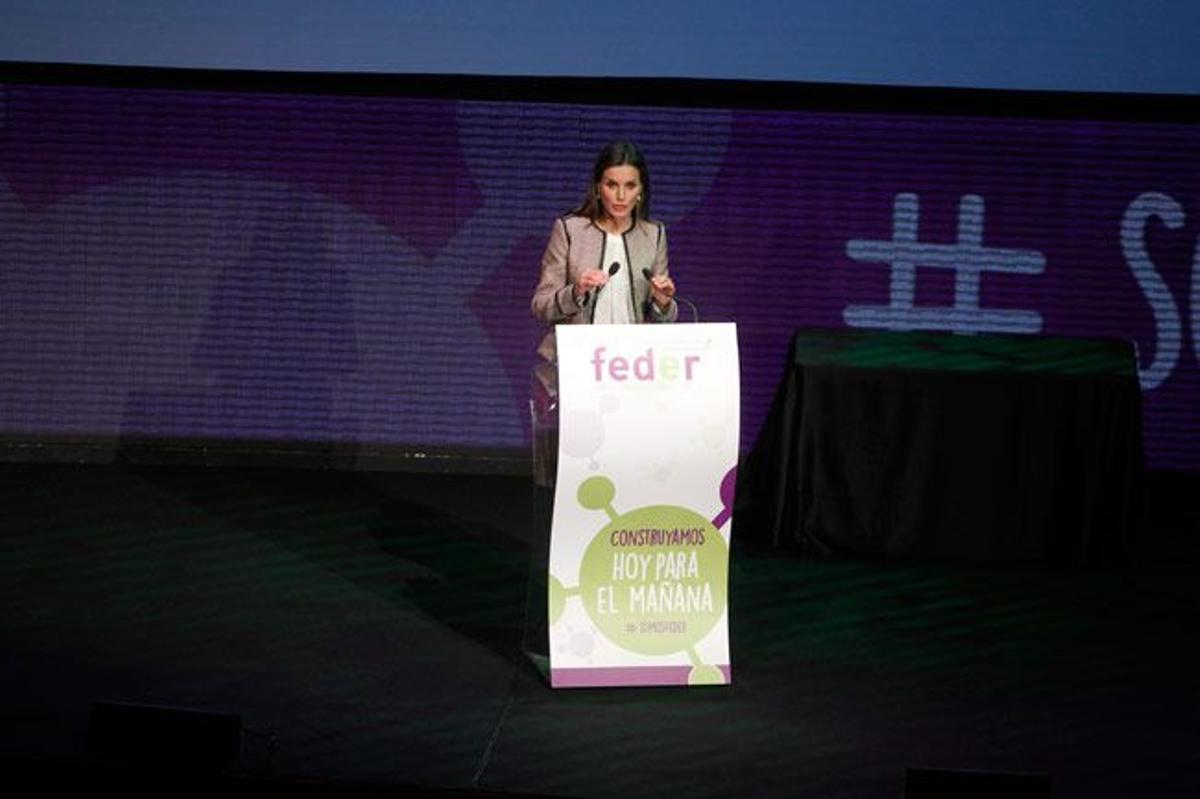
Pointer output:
x,y
592,278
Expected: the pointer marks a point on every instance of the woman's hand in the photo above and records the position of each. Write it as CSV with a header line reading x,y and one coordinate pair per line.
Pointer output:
x,y
592,278
662,289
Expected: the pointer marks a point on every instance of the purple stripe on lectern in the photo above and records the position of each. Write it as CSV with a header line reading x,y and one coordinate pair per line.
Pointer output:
x,y
626,676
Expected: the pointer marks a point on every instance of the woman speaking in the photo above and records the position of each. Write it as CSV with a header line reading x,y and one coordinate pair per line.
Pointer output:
x,y
606,261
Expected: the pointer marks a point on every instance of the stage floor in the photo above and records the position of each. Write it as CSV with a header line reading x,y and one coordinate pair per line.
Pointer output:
x,y
367,628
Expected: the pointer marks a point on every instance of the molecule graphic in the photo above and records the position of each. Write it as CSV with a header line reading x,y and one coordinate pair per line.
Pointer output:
x,y
653,580
589,430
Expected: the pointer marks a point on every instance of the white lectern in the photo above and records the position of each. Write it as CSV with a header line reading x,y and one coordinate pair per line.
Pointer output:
x,y
639,547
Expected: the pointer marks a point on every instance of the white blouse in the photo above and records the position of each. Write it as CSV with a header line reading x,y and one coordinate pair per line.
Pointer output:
x,y
613,303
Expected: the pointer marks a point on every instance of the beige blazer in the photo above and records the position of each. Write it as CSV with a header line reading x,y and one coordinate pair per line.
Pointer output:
x,y
577,244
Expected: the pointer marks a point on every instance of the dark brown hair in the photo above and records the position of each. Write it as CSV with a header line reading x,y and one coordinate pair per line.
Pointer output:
x,y
616,153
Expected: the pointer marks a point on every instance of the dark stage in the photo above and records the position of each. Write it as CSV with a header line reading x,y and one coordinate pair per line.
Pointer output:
x,y
366,628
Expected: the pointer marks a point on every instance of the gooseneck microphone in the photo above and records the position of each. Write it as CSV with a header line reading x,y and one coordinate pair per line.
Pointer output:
x,y
613,268
695,311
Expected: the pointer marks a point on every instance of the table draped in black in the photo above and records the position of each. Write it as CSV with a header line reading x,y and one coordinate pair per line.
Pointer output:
x,y
948,447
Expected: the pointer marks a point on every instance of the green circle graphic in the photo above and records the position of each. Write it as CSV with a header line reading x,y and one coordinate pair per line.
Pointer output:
x,y
556,599
596,493
654,580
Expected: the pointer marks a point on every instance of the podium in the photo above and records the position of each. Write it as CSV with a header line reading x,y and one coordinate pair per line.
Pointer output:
x,y
647,448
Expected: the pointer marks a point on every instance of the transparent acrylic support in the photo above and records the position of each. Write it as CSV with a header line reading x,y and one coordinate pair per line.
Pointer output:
x,y
543,417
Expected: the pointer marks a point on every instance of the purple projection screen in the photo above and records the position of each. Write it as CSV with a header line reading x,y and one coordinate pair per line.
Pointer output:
x,y
185,264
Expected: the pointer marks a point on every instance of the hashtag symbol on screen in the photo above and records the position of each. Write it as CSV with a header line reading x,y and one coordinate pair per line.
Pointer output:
x,y
968,259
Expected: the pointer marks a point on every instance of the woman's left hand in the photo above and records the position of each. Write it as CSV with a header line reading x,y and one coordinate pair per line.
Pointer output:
x,y
662,289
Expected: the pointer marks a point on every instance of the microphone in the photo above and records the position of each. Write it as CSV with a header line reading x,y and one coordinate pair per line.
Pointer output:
x,y
613,268
695,311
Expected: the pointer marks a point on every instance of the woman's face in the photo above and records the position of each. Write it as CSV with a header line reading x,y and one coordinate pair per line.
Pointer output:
x,y
619,188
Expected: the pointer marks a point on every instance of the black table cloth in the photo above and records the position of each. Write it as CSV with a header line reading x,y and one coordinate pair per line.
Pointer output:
x,y
948,447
